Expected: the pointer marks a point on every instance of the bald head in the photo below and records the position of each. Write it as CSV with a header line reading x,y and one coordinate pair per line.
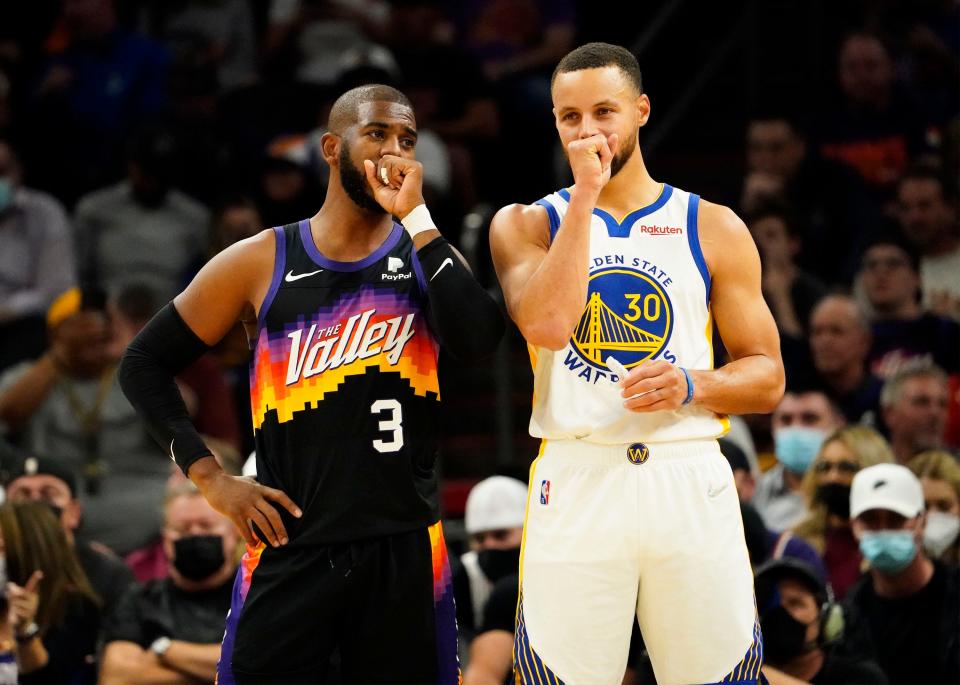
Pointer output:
x,y
839,336
346,110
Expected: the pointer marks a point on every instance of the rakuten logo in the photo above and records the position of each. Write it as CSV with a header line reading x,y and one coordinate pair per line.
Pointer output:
x,y
660,230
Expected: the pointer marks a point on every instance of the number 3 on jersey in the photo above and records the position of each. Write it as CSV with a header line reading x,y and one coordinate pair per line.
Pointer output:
x,y
394,424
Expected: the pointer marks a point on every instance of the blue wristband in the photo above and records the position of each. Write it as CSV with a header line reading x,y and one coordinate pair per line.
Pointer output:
x,y
689,397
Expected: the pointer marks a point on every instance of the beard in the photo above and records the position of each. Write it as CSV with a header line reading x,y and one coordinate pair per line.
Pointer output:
x,y
623,155
354,182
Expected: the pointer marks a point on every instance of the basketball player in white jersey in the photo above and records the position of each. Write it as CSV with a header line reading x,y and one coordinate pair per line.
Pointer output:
x,y
632,509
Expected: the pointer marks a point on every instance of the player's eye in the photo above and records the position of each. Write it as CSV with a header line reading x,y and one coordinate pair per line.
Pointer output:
x,y
569,116
375,134
603,111
409,143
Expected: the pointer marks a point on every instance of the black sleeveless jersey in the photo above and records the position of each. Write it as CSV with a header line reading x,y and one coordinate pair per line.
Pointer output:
x,y
343,387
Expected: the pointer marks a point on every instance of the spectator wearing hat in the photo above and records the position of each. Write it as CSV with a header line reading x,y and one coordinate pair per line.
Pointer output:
x,y
68,404
902,329
904,612
494,516
54,484
802,627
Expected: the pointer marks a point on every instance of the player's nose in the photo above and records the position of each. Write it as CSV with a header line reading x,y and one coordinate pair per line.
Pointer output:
x,y
390,146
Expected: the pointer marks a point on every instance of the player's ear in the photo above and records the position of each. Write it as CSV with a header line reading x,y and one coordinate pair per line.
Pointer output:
x,y
330,147
643,109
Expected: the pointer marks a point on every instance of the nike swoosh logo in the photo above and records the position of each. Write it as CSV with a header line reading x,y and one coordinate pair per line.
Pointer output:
x,y
172,456
446,262
291,278
713,492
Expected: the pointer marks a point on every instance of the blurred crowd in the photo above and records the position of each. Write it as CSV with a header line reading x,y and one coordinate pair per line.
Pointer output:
x,y
140,137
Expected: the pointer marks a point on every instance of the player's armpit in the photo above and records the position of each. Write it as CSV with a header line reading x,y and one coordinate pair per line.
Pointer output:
x,y
229,288
753,381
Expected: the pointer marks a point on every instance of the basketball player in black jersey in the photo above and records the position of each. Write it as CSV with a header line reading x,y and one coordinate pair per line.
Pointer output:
x,y
345,312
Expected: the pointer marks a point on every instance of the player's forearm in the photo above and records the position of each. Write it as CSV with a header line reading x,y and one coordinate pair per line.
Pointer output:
x,y
162,349
452,293
749,385
553,298
141,669
197,660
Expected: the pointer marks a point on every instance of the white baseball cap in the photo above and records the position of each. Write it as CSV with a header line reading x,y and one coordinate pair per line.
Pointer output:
x,y
886,486
495,503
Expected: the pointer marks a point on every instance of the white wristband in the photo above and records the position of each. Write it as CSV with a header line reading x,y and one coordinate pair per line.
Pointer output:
x,y
418,221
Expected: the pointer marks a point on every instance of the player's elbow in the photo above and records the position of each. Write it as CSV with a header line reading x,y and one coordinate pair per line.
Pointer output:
x,y
771,395
546,334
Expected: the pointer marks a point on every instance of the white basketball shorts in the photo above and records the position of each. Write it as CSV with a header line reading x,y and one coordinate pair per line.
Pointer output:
x,y
652,531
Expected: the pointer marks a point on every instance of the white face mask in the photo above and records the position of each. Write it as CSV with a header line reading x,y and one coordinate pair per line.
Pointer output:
x,y
940,532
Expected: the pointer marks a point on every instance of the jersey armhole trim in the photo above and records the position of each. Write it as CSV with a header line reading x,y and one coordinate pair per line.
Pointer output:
x,y
417,269
552,215
693,237
279,263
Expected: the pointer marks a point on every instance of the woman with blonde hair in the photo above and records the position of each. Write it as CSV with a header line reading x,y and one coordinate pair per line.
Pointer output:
x,y
939,474
55,613
826,488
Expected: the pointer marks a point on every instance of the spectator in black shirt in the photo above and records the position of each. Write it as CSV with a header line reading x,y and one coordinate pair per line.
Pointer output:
x,y
802,627
55,613
491,652
839,344
55,485
904,612
901,328
172,628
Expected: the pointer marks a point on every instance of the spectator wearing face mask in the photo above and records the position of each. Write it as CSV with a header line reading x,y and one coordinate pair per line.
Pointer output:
x,y
170,630
494,517
905,610
799,425
802,628
826,485
55,485
939,475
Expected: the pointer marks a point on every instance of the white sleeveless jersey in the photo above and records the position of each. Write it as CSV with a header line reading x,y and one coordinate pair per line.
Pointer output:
x,y
648,298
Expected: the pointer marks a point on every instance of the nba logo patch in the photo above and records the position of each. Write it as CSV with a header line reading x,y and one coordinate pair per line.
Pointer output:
x,y
545,492
638,453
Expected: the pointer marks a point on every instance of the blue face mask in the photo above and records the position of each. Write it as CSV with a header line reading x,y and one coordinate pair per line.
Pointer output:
x,y
6,193
796,447
888,551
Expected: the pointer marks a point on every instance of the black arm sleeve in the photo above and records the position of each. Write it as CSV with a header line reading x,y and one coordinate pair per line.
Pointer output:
x,y
164,348
463,316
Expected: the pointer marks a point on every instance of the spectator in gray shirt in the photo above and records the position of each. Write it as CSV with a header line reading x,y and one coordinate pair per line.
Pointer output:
x,y
141,230
68,404
36,261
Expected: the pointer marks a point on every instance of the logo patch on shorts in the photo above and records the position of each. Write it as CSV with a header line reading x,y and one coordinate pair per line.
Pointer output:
x,y
638,453
545,492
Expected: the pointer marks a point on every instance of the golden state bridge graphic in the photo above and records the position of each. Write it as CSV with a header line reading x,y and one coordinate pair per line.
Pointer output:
x,y
602,329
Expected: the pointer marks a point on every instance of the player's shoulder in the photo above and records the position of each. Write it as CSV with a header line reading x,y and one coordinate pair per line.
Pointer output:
x,y
251,257
520,220
721,220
